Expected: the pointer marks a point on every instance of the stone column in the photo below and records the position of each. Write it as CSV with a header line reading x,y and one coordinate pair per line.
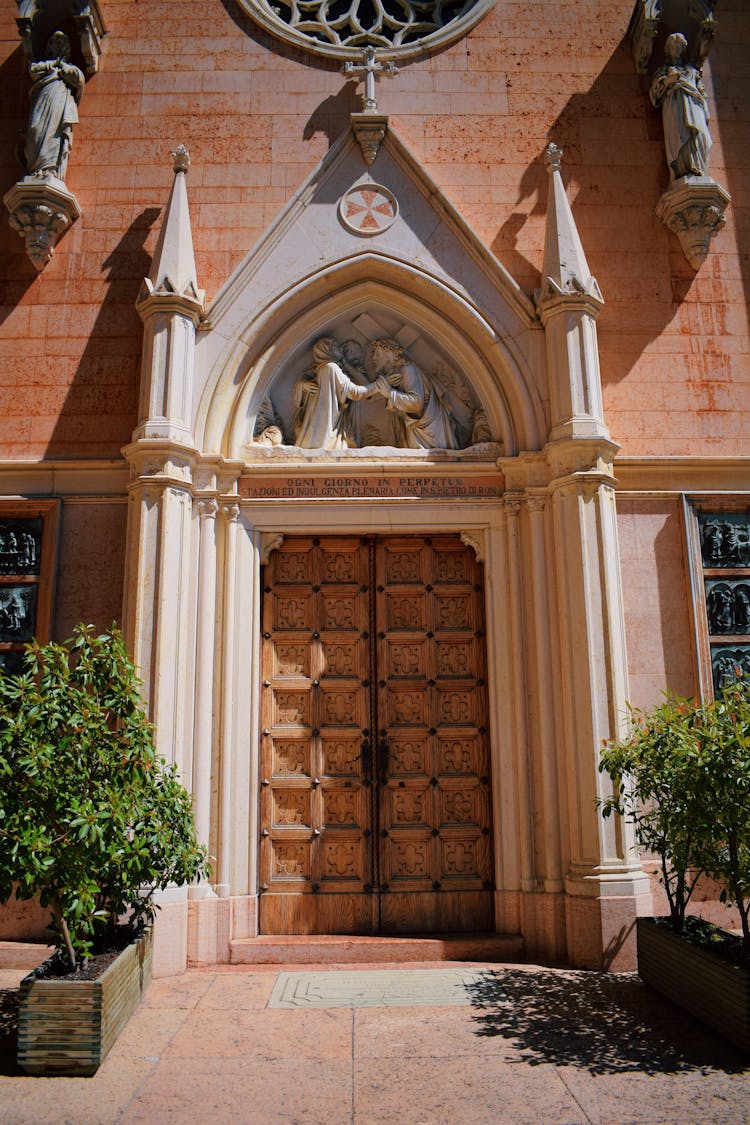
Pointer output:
x,y
605,883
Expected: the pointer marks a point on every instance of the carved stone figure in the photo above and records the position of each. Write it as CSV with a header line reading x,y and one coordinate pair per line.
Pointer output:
x,y
322,419
677,88
420,402
741,610
720,606
56,91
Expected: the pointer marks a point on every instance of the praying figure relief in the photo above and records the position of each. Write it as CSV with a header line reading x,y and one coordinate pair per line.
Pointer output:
x,y
678,89
423,406
358,395
55,93
322,399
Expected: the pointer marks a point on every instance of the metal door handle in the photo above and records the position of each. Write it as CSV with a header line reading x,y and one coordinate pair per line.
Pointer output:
x,y
366,757
383,757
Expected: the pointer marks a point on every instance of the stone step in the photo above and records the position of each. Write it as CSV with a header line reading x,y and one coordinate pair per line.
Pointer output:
x,y
329,949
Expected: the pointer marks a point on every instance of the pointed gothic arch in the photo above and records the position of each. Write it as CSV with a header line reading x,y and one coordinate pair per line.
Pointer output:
x,y
492,362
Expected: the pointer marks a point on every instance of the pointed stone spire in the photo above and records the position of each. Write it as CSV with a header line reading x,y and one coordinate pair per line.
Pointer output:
x,y
565,272
569,303
171,307
173,272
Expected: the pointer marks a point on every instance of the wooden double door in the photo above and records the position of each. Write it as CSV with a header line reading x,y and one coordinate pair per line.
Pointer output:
x,y
375,789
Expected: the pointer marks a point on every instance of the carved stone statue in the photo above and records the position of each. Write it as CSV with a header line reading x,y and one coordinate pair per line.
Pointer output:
x,y
678,89
419,401
56,91
322,420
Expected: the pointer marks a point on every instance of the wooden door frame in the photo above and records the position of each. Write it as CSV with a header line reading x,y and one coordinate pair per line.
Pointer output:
x,y
482,525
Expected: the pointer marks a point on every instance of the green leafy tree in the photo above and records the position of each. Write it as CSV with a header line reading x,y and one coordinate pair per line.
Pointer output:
x,y
683,780
724,782
654,769
91,818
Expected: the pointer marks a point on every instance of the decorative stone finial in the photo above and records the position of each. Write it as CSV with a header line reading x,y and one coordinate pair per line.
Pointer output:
x,y
565,273
553,157
172,279
370,67
181,158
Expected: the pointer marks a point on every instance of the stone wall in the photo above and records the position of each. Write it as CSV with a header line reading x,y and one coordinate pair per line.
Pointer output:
x,y
257,117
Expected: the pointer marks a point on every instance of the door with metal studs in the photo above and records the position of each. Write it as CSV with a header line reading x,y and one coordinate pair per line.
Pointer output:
x,y
375,795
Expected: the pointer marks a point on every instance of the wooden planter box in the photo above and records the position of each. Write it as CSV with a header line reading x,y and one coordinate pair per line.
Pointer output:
x,y
714,990
69,1026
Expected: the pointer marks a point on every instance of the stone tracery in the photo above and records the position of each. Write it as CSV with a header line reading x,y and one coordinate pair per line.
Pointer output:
x,y
398,27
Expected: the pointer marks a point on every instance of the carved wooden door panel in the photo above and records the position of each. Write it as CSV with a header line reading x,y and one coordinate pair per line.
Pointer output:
x,y
316,834
374,792
435,857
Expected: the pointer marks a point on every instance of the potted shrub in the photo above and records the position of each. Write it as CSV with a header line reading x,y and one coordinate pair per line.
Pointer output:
x,y
94,822
683,780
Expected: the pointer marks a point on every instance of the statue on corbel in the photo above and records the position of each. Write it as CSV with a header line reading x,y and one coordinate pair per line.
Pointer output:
x,y
41,206
693,205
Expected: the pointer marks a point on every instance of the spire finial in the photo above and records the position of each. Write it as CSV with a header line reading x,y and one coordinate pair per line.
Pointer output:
x,y
553,157
181,158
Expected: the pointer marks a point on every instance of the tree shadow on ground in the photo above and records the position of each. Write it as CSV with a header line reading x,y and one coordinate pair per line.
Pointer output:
x,y
605,1023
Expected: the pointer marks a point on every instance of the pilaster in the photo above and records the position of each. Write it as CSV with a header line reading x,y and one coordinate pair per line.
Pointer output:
x,y
158,612
602,866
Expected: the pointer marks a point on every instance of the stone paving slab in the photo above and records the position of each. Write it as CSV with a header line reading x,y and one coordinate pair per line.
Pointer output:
x,y
525,1046
379,988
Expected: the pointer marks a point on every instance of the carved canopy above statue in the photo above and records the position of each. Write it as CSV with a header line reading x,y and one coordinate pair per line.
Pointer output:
x,y
369,380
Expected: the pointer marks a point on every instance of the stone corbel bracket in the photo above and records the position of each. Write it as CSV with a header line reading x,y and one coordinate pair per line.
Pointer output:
x,y
41,210
48,17
370,130
693,209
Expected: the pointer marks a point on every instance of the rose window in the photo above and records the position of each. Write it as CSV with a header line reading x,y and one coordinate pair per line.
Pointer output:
x,y
395,28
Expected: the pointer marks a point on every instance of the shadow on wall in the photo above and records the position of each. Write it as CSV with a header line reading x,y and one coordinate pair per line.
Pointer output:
x,y
613,158
604,1023
18,274
100,408
728,62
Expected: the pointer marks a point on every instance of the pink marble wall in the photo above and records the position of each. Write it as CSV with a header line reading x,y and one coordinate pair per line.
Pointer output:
x,y
658,620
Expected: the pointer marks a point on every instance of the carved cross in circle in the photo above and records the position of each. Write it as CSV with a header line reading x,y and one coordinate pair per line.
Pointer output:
x,y
368,210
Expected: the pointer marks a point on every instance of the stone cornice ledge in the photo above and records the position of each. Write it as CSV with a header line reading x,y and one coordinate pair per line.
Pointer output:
x,y
64,478
670,475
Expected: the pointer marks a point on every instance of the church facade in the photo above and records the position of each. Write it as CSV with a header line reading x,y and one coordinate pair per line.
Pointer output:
x,y
385,372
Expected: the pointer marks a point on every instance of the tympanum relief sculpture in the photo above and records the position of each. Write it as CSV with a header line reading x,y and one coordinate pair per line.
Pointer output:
x,y
356,394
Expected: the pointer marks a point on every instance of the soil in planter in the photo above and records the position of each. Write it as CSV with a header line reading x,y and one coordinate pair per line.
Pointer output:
x,y
57,967
708,936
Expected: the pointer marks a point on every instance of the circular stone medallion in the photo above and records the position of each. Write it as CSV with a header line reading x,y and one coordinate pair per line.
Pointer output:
x,y
368,209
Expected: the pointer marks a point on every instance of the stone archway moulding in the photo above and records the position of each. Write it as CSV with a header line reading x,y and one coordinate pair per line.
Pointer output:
x,y
492,363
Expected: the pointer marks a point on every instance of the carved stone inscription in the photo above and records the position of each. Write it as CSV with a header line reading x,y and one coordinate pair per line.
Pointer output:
x,y
486,487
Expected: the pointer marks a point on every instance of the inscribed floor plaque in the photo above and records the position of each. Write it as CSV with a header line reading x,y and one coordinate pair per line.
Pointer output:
x,y
375,988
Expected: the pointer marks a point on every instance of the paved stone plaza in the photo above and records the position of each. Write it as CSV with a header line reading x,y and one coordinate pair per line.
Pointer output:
x,y
506,1045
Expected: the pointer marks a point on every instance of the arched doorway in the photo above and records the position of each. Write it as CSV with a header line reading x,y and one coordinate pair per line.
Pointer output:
x,y
375,804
